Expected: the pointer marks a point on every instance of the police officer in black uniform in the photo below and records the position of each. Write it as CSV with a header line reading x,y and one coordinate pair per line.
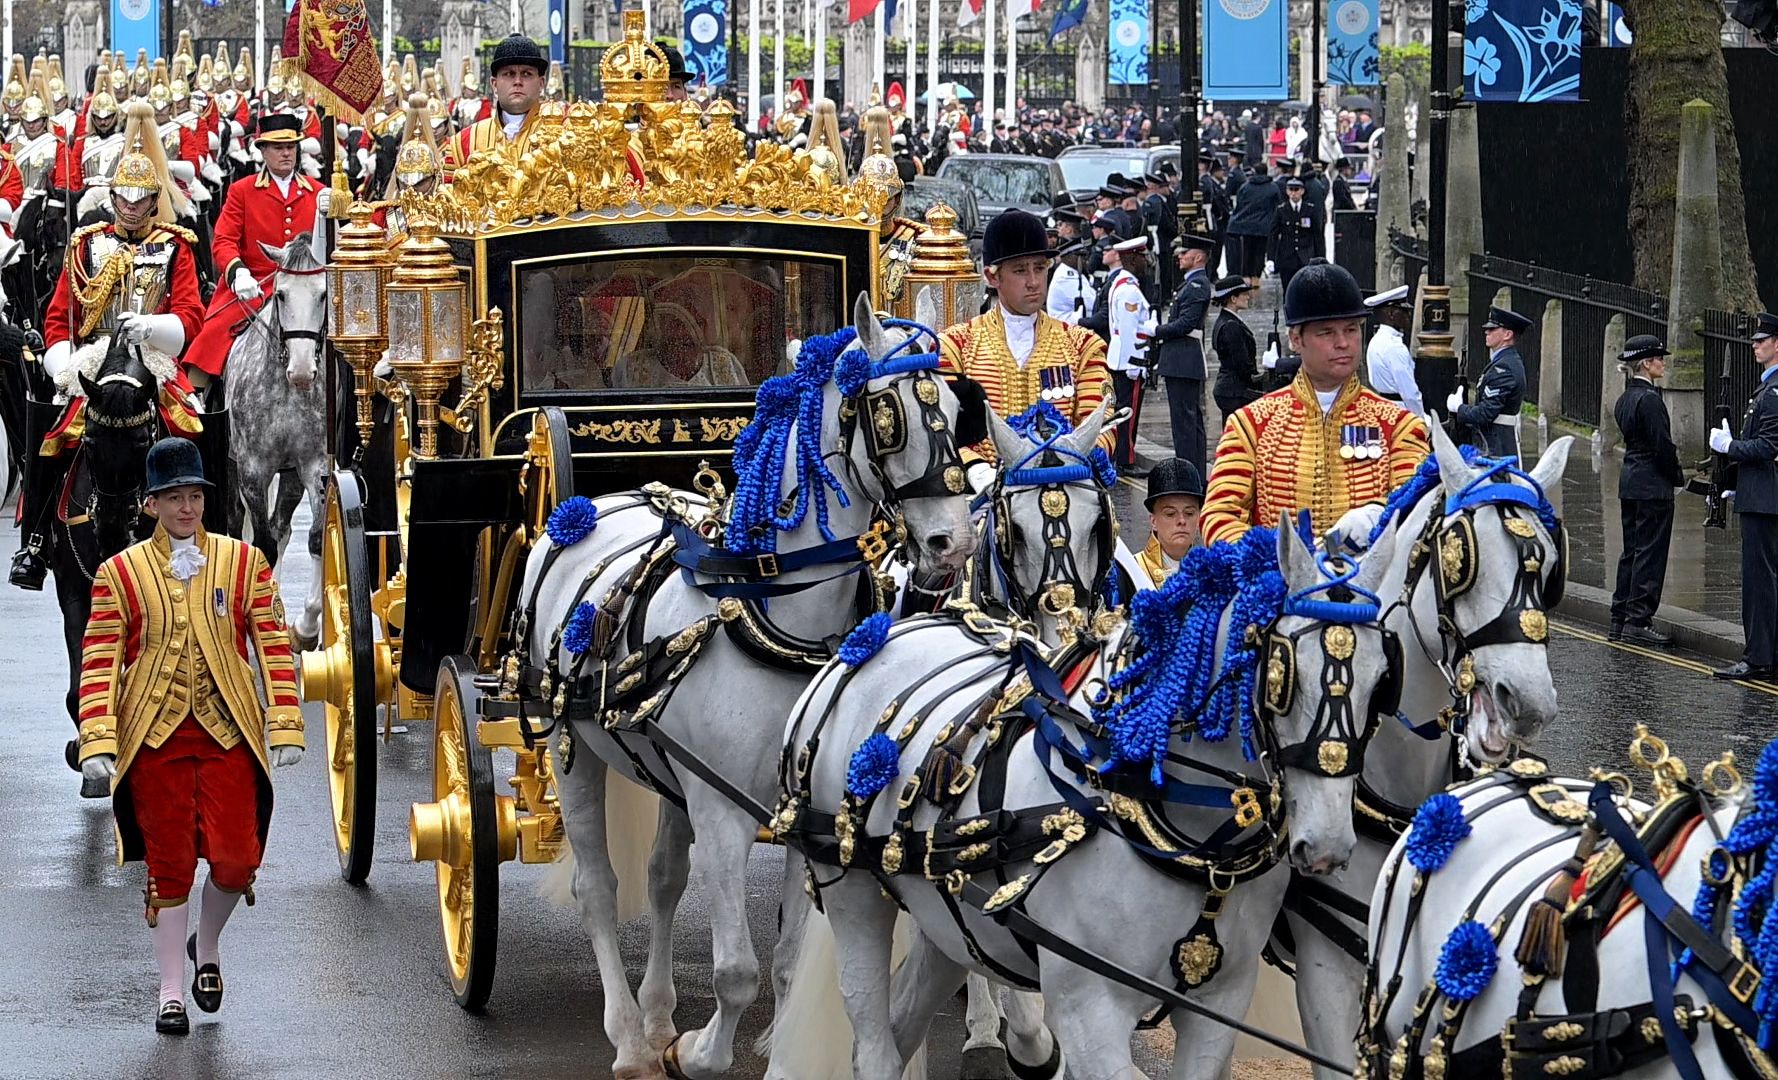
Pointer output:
x,y
1755,458
1645,492
1180,360
1493,420
1296,232
1239,380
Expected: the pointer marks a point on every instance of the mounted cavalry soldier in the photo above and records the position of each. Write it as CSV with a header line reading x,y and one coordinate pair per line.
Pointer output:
x,y
518,70
92,157
1324,443
1017,353
266,210
135,275
172,722
1494,417
35,147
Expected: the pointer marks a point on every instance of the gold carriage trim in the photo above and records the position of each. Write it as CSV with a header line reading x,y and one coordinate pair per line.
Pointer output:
x,y
1339,641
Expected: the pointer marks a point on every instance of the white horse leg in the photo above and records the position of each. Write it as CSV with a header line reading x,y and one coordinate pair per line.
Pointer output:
x,y
725,835
926,979
582,794
864,935
1202,1047
1029,1043
1093,1020
668,868
290,492
981,1021
1328,987
307,623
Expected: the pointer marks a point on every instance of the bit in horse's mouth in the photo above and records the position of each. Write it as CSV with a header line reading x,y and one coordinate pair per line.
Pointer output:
x,y
1491,739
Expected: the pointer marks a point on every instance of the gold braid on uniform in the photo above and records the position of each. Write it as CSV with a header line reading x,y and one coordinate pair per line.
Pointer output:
x,y
95,294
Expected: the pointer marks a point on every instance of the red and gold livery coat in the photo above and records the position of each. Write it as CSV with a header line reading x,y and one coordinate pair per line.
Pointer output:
x,y
144,618
978,349
1281,454
254,212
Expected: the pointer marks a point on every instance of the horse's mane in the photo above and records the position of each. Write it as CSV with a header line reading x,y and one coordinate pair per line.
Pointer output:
x,y
118,398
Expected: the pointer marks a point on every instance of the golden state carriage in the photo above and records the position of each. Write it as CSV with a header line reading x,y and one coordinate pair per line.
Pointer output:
x,y
593,334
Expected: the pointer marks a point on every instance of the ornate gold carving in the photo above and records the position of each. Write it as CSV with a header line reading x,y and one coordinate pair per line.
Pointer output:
x,y
620,431
1054,503
628,683
927,391
1275,672
1520,527
1450,558
685,638
974,852
1466,675
1568,1029
1534,624
1198,956
883,417
1332,757
1068,822
1566,1065
1247,807
721,429
1007,893
892,854
1433,1068
954,479
1527,768
970,828
1651,1030
728,609
1339,641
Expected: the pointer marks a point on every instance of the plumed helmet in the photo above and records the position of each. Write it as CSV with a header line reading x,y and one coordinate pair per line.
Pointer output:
x,y
174,462
1321,292
102,105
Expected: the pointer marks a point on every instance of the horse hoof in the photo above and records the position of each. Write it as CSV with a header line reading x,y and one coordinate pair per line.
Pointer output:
x,y
670,1060
985,1063
651,1071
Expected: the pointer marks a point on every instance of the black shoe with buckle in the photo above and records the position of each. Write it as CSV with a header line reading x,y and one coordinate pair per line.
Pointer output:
x,y
172,1019
29,569
206,985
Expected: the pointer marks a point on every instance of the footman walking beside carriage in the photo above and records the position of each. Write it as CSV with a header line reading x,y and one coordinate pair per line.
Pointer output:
x,y
171,717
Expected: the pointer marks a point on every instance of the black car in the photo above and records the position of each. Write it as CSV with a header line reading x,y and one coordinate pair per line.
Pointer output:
x,y
1085,168
1004,181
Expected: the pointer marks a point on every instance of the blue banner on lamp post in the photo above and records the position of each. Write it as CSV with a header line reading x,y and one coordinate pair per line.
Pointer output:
x,y
1352,56
1129,42
706,40
136,24
558,31
1246,50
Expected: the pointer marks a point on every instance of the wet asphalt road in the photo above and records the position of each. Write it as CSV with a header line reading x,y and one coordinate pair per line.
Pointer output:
x,y
328,980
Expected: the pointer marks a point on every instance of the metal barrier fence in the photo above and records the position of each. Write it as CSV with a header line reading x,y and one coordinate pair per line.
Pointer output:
x,y
1588,307
1411,250
1730,375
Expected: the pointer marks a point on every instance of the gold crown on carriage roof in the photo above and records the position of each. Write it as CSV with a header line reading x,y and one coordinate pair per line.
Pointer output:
x,y
634,70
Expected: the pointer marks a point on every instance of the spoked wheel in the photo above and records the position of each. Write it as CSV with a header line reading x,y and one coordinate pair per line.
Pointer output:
x,y
466,831
343,674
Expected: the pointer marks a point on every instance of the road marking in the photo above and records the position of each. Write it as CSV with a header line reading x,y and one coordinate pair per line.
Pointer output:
x,y
1653,654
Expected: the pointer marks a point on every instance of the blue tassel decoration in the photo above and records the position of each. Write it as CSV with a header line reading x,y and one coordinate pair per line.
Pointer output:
x,y
1467,963
874,766
572,521
1439,826
865,640
1103,470
1753,915
577,632
1040,422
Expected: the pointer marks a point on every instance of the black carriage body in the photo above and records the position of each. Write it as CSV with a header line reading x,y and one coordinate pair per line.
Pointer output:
x,y
650,334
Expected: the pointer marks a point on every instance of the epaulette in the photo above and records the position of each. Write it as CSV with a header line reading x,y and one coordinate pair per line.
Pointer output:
x,y
180,231
87,230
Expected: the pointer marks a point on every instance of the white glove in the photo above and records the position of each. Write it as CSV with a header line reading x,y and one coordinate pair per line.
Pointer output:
x,y
284,756
980,475
56,358
245,286
133,327
324,201
181,170
1720,438
6,212
1455,401
1353,531
1270,359
1271,269
99,767
162,333
1729,494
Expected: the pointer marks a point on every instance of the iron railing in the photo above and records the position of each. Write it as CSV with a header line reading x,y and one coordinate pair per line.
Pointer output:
x,y
1730,374
1411,250
1588,306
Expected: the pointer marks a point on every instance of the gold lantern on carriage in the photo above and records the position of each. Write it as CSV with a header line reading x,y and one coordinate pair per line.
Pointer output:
x,y
356,279
941,262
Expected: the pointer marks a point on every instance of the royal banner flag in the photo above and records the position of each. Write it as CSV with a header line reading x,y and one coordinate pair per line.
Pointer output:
x,y
1352,56
333,48
1521,50
1246,50
706,41
1129,43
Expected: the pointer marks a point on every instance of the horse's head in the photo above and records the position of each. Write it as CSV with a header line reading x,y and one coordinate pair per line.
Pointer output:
x,y
1329,670
1052,525
120,405
299,303
907,460
1498,561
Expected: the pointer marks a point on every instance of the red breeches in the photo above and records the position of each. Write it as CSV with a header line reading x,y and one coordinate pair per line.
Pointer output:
x,y
193,798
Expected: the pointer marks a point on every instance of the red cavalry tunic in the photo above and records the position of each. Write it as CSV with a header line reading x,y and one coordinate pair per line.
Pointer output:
x,y
254,212
12,184
86,258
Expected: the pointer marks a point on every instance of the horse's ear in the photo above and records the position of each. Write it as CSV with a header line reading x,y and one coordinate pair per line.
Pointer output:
x,y
1374,563
972,409
870,331
88,387
10,253
926,308
1081,440
1549,468
1009,445
276,254
1294,557
1453,471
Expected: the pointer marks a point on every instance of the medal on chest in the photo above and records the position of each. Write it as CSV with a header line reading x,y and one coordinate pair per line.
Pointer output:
x,y
219,602
1361,443
1057,382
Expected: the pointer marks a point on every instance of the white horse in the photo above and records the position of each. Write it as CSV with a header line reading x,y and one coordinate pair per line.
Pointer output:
x,y
1130,899
276,401
1449,915
885,448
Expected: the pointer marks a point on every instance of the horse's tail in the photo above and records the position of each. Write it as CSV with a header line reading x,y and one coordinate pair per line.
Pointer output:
x,y
631,816
818,1042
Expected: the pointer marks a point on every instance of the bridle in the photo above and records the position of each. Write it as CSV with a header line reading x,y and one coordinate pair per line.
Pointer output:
x,y
1059,583
881,417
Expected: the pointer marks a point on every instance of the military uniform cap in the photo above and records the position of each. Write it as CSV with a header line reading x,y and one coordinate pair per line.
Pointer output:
x,y
1398,295
1322,292
1174,476
1079,247
1067,214
1765,326
1014,234
1155,179
175,462
1500,318
1134,243
1286,164
1104,221
518,49
1169,169
1642,347
1194,242
1294,182
1107,191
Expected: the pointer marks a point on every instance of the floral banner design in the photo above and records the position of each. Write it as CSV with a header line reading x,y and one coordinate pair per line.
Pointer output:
x,y
706,41
1522,50
1352,56
1129,42
1246,50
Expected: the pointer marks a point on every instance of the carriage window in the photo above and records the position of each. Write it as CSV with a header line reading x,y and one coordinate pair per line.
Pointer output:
x,y
670,321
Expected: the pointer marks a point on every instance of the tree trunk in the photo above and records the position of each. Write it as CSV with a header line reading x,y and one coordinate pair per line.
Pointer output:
x,y
1676,57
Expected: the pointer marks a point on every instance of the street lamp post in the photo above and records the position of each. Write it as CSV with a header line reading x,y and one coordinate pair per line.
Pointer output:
x,y
1187,124
1436,366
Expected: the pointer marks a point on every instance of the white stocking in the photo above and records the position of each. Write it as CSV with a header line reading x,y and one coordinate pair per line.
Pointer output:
x,y
218,905
169,949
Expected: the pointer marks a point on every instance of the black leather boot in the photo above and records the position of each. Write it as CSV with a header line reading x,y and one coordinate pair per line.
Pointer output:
x,y
43,477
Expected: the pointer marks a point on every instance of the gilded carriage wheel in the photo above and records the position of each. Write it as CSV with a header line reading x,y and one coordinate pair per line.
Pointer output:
x,y
461,832
343,675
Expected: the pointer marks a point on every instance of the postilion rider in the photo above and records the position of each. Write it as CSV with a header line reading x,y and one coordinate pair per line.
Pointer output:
x,y
1017,352
1324,443
170,715
136,276
1175,500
